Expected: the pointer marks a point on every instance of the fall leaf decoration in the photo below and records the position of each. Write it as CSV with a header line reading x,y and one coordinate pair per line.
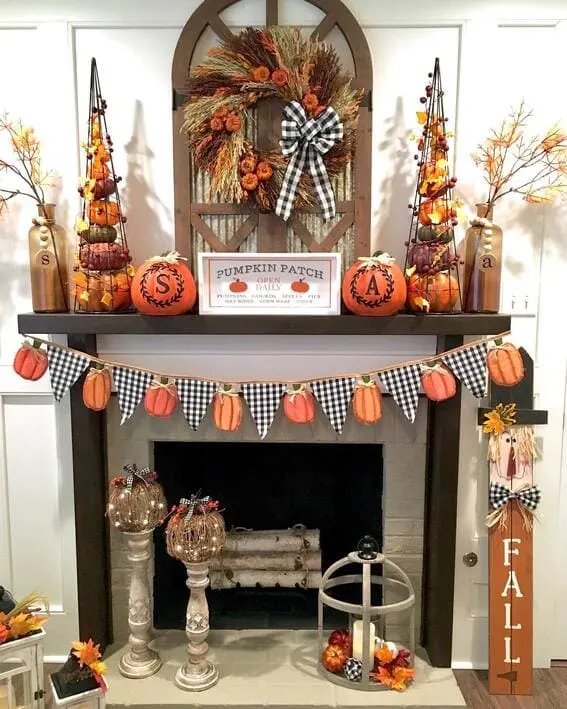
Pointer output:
x,y
88,654
4,633
499,419
396,678
24,624
392,667
263,63
513,161
22,620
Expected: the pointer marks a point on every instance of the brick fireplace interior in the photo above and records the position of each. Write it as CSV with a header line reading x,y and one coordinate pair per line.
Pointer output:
x,y
328,494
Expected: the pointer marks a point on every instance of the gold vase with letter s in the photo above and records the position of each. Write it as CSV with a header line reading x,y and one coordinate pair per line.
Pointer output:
x,y
483,263
48,263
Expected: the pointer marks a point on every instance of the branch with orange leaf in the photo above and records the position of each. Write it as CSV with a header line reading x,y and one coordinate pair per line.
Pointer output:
x,y
533,166
23,619
88,654
392,666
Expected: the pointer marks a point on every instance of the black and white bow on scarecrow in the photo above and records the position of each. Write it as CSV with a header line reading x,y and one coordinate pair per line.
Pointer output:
x,y
65,367
305,141
263,400
500,495
334,395
469,365
403,383
131,385
195,396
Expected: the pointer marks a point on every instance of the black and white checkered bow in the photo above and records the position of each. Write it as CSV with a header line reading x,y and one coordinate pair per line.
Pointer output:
x,y
306,141
500,495
145,474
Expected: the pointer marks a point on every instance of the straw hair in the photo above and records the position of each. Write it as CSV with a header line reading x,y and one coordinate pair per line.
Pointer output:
x,y
195,538
140,509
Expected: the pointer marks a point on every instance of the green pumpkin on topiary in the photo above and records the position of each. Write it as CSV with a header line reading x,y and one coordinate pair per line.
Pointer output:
x,y
441,233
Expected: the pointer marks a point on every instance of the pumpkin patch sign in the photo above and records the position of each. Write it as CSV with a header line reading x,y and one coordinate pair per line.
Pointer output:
x,y
253,284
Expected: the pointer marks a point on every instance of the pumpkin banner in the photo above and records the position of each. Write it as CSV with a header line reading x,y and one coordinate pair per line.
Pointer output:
x,y
469,364
131,385
65,367
403,384
334,395
263,399
195,396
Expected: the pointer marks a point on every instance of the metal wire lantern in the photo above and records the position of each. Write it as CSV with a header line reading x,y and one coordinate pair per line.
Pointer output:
x,y
353,657
196,530
136,501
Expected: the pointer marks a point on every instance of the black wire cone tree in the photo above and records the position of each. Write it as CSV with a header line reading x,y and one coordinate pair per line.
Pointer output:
x,y
103,272
431,263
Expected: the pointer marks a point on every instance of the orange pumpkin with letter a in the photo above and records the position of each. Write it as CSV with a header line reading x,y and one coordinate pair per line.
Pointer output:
x,y
374,286
164,285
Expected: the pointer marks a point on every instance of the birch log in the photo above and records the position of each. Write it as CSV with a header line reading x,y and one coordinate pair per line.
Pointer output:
x,y
267,579
269,540
269,561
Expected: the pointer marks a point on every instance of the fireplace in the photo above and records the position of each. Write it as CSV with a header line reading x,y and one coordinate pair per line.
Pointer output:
x,y
313,502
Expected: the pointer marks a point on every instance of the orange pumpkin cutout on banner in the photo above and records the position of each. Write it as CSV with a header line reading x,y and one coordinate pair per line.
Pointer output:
x,y
161,397
299,404
438,383
367,401
505,365
30,361
96,388
227,409
374,286
164,285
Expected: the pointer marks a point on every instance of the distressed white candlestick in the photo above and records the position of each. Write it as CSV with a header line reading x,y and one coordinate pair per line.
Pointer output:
x,y
197,673
139,660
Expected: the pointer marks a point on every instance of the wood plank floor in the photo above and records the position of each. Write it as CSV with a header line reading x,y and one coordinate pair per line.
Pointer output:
x,y
550,691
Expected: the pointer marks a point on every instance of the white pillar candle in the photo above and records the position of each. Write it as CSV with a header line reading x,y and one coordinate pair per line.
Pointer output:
x,y
357,649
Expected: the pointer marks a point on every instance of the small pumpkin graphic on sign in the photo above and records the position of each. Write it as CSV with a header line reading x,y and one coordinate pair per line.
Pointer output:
x,y
238,286
300,286
164,285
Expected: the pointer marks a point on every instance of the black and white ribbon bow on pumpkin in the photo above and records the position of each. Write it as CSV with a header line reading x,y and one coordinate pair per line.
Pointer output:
x,y
306,140
145,475
528,496
198,504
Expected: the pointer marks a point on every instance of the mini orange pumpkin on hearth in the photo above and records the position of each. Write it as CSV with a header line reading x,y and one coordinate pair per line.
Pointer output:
x,y
334,657
367,401
227,409
30,361
161,397
164,285
438,383
505,365
96,388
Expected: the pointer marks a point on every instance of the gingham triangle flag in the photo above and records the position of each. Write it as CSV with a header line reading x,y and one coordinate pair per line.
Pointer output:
x,y
334,395
195,396
403,384
263,399
469,365
131,385
65,367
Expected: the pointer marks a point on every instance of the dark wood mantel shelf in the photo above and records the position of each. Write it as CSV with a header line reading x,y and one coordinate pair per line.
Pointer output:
x,y
135,324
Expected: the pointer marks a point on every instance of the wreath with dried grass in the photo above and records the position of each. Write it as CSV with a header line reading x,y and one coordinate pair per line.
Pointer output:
x,y
272,62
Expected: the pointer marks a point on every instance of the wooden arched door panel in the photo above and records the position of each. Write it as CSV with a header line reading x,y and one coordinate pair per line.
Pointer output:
x,y
203,224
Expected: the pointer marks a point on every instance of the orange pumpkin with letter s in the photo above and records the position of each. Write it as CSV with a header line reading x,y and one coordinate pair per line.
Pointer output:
x,y
367,401
161,397
432,294
31,361
164,285
438,383
96,388
505,365
227,409
374,286
299,404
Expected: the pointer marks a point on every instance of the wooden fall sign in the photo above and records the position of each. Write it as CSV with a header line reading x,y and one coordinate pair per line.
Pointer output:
x,y
513,499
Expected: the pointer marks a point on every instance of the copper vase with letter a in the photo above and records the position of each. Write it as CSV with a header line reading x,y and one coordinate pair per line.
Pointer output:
x,y
48,263
483,263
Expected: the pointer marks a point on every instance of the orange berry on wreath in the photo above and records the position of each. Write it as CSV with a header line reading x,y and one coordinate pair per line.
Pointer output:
x,y
279,77
221,112
247,164
249,181
310,102
264,171
216,124
233,123
261,74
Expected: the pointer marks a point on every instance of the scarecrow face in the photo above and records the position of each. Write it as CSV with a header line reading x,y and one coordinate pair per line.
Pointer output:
x,y
508,462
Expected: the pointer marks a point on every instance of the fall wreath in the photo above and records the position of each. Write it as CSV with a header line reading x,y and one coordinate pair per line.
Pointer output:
x,y
318,126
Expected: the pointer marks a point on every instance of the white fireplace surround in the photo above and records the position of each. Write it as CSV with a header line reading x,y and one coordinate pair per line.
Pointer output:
x,y
282,357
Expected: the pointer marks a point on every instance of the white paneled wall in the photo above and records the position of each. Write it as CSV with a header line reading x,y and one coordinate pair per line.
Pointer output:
x,y
492,55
